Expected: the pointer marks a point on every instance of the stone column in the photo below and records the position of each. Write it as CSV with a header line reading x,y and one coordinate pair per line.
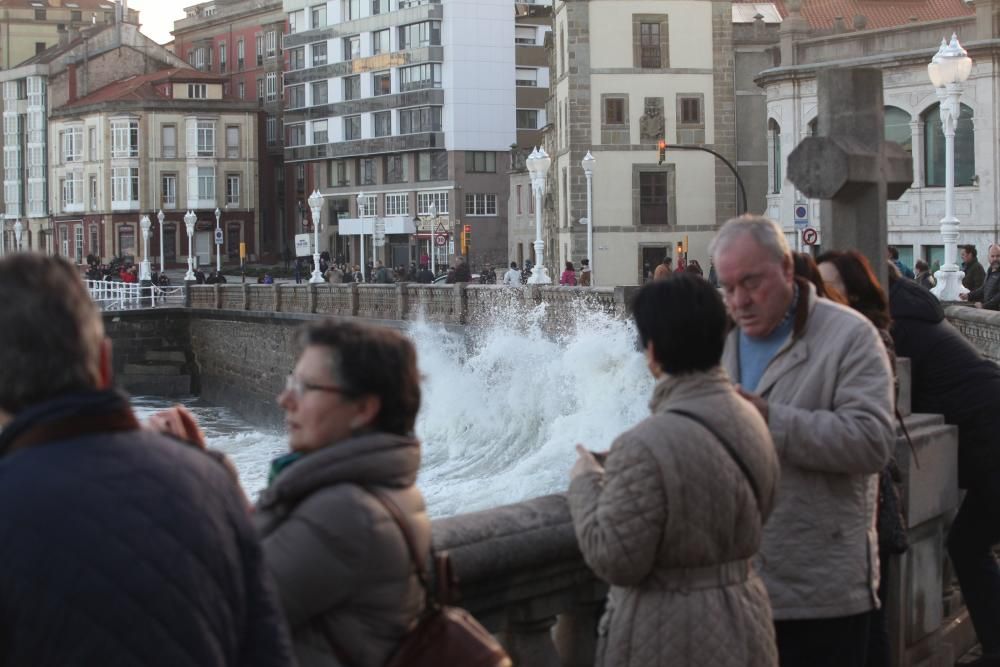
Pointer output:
x,y
277,297
576,634
355,300
529,642
402,301
311,298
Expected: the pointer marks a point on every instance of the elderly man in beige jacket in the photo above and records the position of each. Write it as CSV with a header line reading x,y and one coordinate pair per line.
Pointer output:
x,y
820,376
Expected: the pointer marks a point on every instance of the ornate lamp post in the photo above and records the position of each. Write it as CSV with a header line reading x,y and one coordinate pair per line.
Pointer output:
x,y
218,241
948,70
189,219
432,210
18,228
159,219
362,200
3,237
144,274
538,166
316,205
588,170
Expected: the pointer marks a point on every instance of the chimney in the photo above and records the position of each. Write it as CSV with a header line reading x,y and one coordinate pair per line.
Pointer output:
x,y
71,79
838,25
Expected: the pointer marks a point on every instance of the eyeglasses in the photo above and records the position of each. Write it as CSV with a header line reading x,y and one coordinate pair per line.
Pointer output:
x,y
298,387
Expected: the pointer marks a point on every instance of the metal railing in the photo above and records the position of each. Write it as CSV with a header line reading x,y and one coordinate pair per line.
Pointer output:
x,y
110,295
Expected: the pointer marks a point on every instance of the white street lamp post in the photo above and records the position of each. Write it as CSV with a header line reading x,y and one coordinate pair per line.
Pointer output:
x,y
159,218
18,228
3,237
433,211
948,70
588,170
362,200
144,274
538,166
189,219
316,205
218,242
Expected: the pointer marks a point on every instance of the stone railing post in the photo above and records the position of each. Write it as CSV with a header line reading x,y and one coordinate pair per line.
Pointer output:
x,y
187,293
529,642
532,295
355,300
623,300
246,296
311,298
575,634
218,295
402,301
460,304
277,297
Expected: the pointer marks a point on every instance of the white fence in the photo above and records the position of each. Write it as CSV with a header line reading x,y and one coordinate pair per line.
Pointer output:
x,y
121,296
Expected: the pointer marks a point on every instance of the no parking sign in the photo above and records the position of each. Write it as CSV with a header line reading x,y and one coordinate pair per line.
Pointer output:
x,y
810,236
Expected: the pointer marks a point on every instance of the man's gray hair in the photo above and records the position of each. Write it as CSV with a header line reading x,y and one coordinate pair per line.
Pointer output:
x,y
763,230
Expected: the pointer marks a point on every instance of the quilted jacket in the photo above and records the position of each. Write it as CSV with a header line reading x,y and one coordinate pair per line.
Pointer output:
x,y
830,412
340,561
671,506
121,547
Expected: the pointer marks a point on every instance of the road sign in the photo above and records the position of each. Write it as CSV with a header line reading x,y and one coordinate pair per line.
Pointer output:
x,y
218,237
440,239
810,236
801,215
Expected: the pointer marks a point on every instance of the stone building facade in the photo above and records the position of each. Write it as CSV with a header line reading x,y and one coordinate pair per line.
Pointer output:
x,y
167,141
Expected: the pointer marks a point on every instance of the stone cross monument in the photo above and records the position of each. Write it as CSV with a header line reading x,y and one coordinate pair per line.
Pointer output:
x,y
850,166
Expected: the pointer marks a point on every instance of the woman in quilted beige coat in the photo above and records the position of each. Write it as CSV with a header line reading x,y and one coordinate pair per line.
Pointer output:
x,y
674,519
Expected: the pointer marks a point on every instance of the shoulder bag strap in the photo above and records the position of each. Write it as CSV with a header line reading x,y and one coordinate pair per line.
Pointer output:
x,y
411,542
733,454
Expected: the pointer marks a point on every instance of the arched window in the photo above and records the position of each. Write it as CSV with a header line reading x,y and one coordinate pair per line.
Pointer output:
x,y
965,147
897,128
774,154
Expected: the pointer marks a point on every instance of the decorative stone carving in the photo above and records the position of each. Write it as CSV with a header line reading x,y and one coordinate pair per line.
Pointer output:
x,y
651,125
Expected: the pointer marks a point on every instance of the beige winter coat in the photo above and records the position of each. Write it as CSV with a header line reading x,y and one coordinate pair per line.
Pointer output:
x,y
829,392
335,553
672,524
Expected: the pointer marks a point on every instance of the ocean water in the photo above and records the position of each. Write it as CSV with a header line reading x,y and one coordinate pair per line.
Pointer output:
x,y
501,412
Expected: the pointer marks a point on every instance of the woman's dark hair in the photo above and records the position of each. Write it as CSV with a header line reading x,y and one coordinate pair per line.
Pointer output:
x,y
694,267
864,293
805,267
370,360
685,319
569,266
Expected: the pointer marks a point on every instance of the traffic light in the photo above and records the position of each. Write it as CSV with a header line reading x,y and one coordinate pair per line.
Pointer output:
x,y
466,239
663,150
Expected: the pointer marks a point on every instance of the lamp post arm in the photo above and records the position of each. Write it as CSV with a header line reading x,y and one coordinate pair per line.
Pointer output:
x,y
739,181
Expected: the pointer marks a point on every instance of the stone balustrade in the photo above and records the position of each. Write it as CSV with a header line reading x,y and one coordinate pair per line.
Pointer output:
x,y
981,327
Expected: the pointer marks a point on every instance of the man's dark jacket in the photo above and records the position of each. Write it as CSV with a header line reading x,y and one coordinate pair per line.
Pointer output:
x,y
950,377
989,293
123,547
975,275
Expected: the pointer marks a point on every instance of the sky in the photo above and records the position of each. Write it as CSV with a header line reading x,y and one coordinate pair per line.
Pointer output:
x,y
158,16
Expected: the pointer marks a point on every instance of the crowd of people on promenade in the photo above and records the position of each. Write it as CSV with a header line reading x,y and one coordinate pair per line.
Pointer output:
x,y
749,520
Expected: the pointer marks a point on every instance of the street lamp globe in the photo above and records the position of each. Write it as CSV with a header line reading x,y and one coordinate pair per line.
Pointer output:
x,y
588,163
543,163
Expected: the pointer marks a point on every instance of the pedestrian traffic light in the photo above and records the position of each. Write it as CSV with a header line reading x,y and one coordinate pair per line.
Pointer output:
x,y
663,150
466,239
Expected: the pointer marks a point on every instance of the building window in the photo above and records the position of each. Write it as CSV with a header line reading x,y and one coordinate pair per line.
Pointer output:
x,y
383,123
368,208
480,161
125,185
72,145
126,241
397,204
519,199
78,243
39,14
524,35
205,140
296,134
318,17
382,83
417,77
271,42
380,41
337,173
232,141
352,128
168,141
897,128
352,9
526,77
318,54
352,47
614,111
432,166
352,87
650,44
527,119
64,240
425,199
92,143
690,111
222,56
232,190
420,119
76,16
72,190
418,35
480,204
272,85
965,148
168,190
240,53
380,6
241,90
653,198
206,183
95,244
320,93
774,155
296,96
297,58
93,193
366,171
125,138
649,41
395,169
271,129
197,91
319,128
259,48
296,21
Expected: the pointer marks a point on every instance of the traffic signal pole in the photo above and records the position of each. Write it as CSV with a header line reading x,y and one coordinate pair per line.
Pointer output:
x,y
686,147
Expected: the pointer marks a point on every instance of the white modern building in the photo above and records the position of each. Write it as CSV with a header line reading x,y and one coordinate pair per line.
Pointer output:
x,y
412,104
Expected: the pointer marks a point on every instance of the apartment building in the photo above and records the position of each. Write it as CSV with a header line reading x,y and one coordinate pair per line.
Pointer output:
x,y
412,104
28,27
88,59
241,41
169,141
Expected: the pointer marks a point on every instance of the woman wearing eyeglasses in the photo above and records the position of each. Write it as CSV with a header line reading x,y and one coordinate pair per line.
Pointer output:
x,y
340,562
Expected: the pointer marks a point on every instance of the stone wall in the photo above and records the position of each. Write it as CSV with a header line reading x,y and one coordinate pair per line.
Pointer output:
x,y
982,327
